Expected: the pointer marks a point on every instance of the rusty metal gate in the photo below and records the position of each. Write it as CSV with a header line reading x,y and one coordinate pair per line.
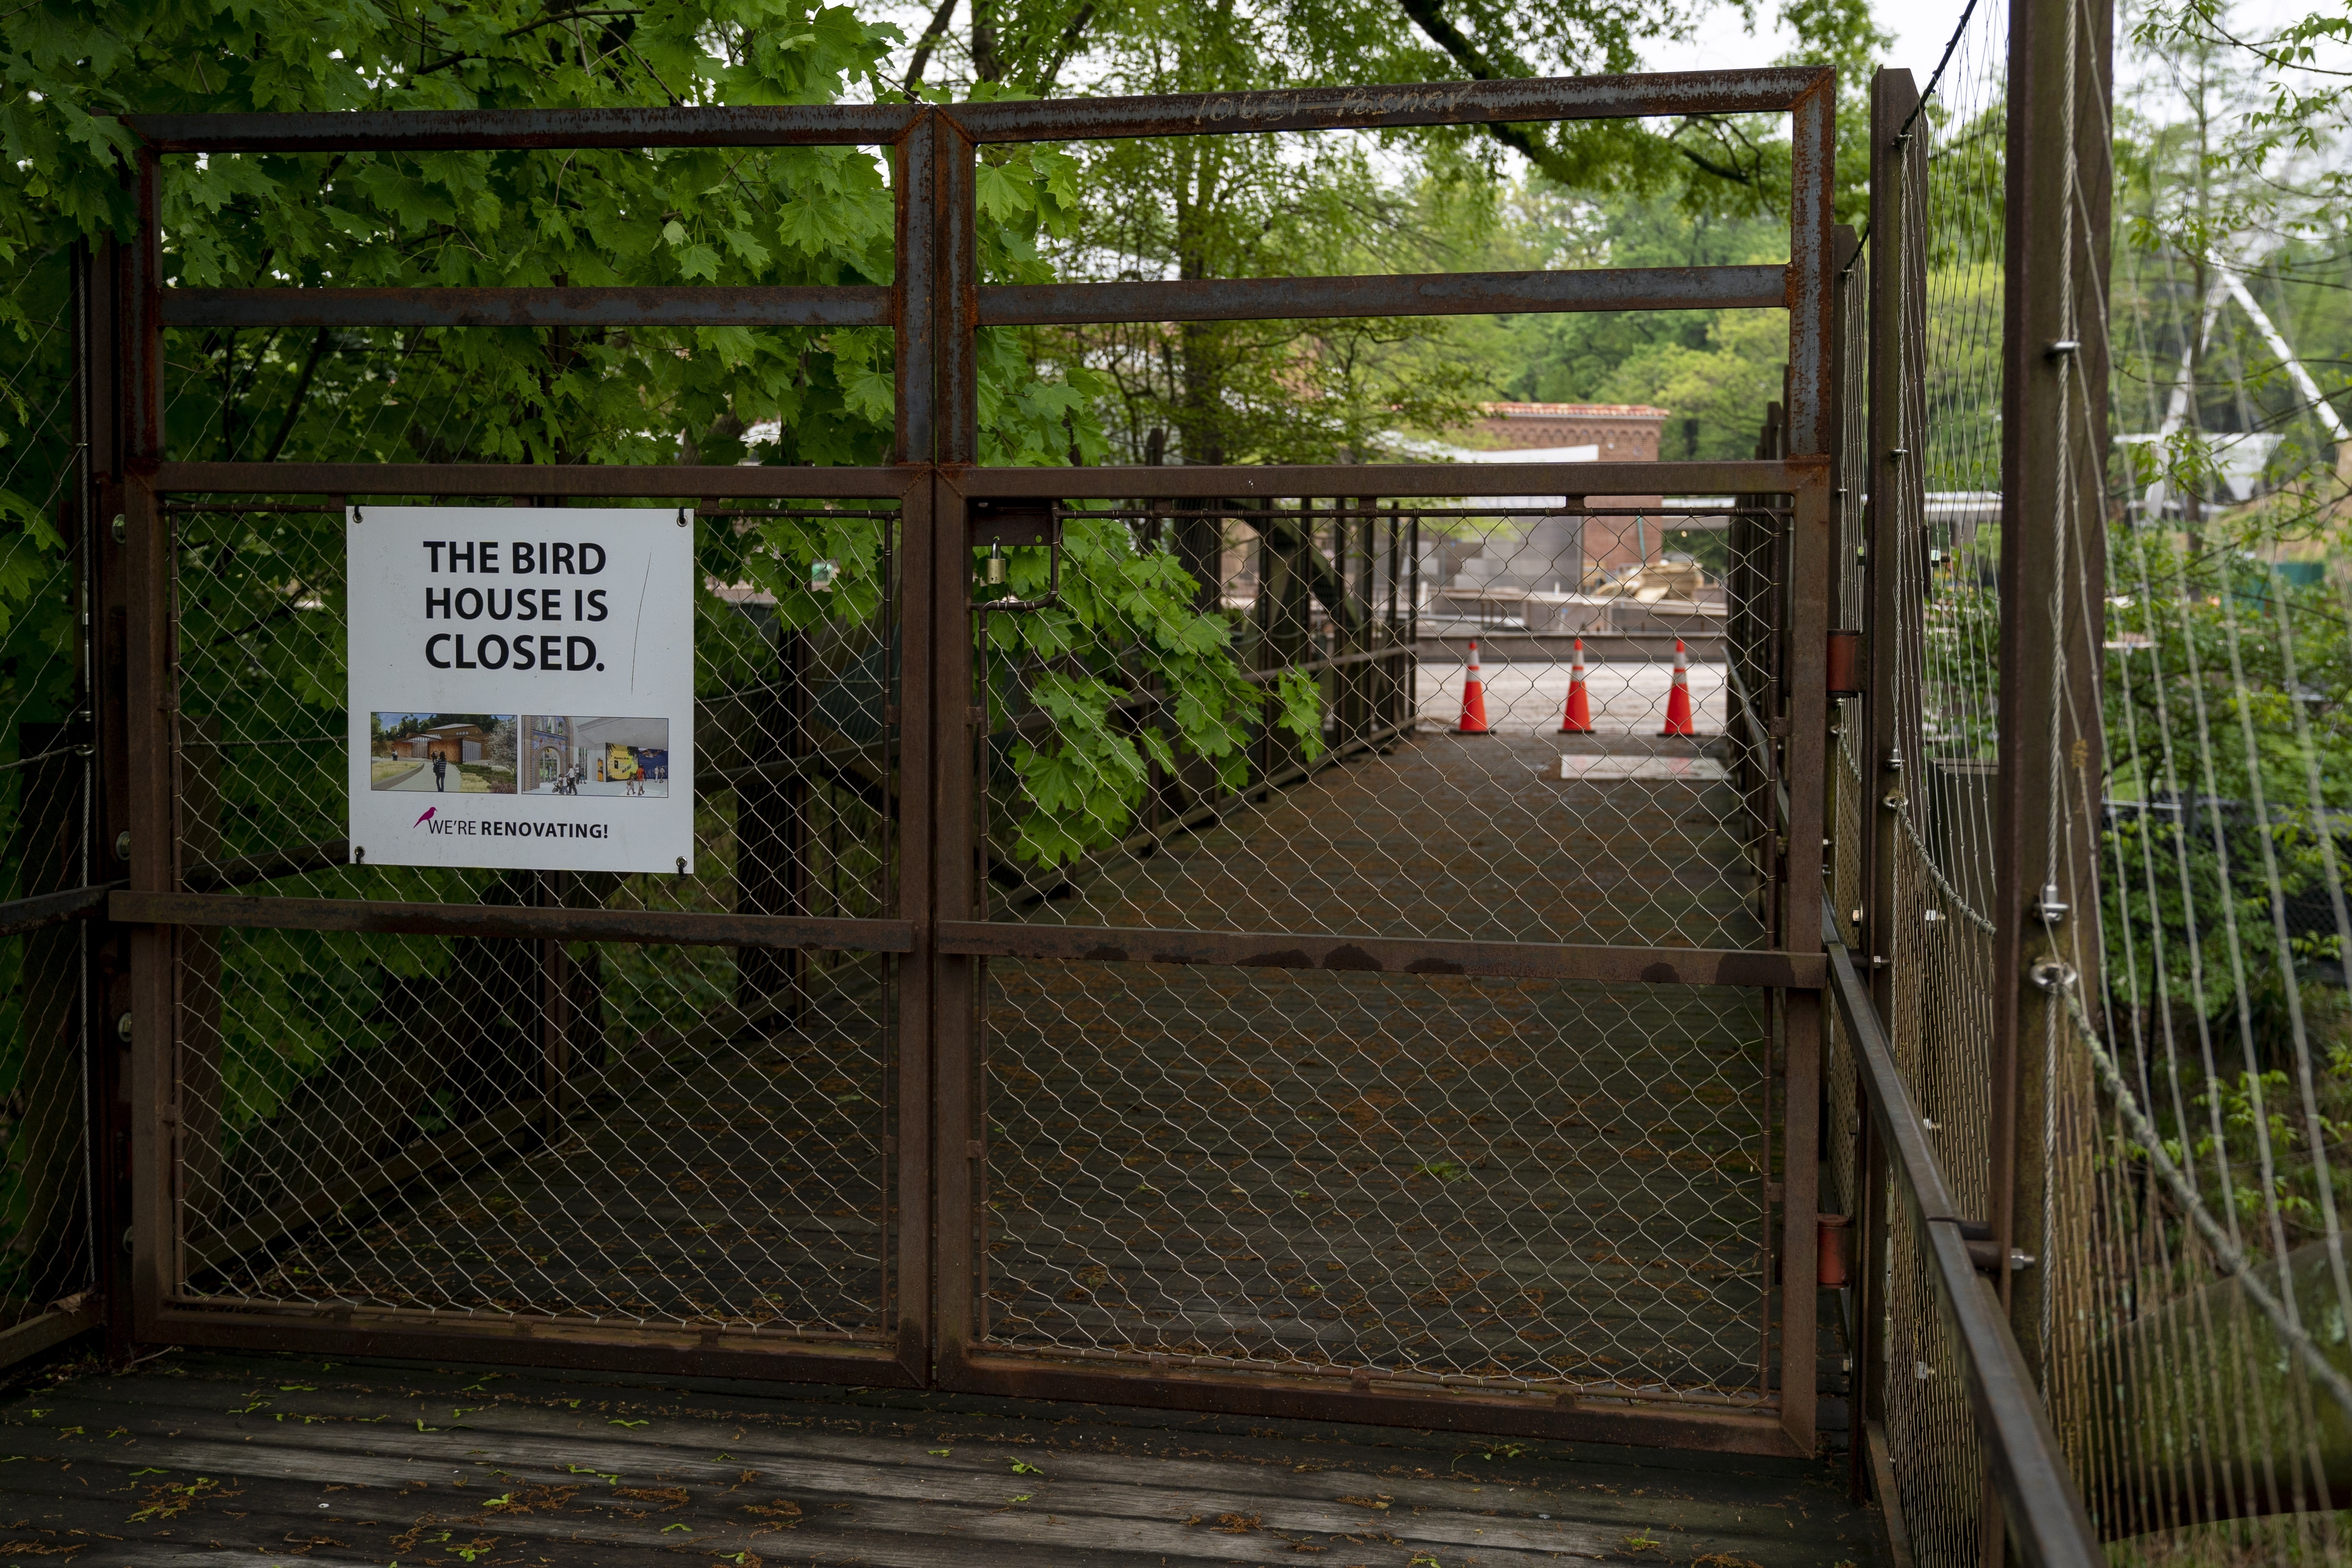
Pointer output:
x,y
1364,1071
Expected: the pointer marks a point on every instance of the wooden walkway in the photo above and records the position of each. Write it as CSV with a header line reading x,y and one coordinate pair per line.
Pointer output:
x,y
191,1460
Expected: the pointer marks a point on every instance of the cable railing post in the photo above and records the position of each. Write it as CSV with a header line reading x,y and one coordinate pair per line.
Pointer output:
x,y
2051,594
2053,597
1894,503
149,694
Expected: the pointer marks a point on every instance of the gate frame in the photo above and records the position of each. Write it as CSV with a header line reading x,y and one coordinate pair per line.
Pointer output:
x,y
936,305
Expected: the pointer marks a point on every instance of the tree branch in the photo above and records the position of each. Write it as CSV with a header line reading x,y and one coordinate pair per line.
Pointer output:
x,y
301,392
933,32
547,21
1467,55
1520,138
1071,36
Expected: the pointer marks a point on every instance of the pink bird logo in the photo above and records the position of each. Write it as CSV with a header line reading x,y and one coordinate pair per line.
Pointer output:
x,y
429,812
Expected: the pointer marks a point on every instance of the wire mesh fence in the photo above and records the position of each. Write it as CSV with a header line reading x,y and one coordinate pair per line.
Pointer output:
x,y
435,1140
2211,1406
1458,719
45,781
1582,794
620,1133
1938,495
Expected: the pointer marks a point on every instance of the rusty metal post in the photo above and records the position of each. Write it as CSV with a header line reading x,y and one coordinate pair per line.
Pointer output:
x,y
1811,426
915,284
2053,555
1898,321
148,712
960,1244
1805,769
106,963
1811,399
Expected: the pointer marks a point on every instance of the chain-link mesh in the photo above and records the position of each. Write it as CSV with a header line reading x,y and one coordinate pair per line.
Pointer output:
x,y
1360,655
1529,1184
1945,649
1555,1185
616,1131
44,780
405,1122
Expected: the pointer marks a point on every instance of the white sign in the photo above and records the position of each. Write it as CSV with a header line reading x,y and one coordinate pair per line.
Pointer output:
x,y
522,686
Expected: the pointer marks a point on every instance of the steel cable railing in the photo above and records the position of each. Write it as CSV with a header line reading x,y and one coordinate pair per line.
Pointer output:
x,y
2028,1466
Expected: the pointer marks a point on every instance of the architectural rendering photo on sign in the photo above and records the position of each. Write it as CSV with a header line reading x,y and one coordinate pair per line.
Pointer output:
x,y
478,619
446,753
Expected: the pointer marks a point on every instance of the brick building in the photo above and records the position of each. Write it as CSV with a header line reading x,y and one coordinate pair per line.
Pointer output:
x,y
1573,433
1618,432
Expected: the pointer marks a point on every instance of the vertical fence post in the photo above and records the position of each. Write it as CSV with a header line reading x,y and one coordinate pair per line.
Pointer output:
x,y
147,758
915,285
960,768
107,948
1811,415
1896,501
2052,598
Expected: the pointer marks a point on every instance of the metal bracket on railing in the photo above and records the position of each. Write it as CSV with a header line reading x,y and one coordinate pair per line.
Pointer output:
x,y
2052,975
1985,1256
2050,908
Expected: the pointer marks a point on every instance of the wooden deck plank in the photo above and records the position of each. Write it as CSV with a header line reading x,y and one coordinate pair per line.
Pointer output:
x,y
348,1464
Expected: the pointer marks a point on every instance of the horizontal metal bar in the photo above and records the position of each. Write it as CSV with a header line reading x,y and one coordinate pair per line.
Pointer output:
x,y
850,306
2046,1513
679,481
60,1323
1664,510
1421,294
18,916
1458,1410
689,482
302,860
523,1340
426,130
1283,481
684,926
1381,954
1761,91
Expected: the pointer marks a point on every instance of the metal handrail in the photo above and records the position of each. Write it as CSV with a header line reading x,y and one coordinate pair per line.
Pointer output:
x,y
2047,1519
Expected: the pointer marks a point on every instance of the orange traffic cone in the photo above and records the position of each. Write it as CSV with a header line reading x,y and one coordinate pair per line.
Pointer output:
x,y
1678,708
1474,700
1578,719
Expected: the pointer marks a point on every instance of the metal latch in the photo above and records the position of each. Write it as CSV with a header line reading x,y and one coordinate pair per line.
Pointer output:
x,y
997,524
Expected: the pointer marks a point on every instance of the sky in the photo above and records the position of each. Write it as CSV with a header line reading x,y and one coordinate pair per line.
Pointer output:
x,y
1921,28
